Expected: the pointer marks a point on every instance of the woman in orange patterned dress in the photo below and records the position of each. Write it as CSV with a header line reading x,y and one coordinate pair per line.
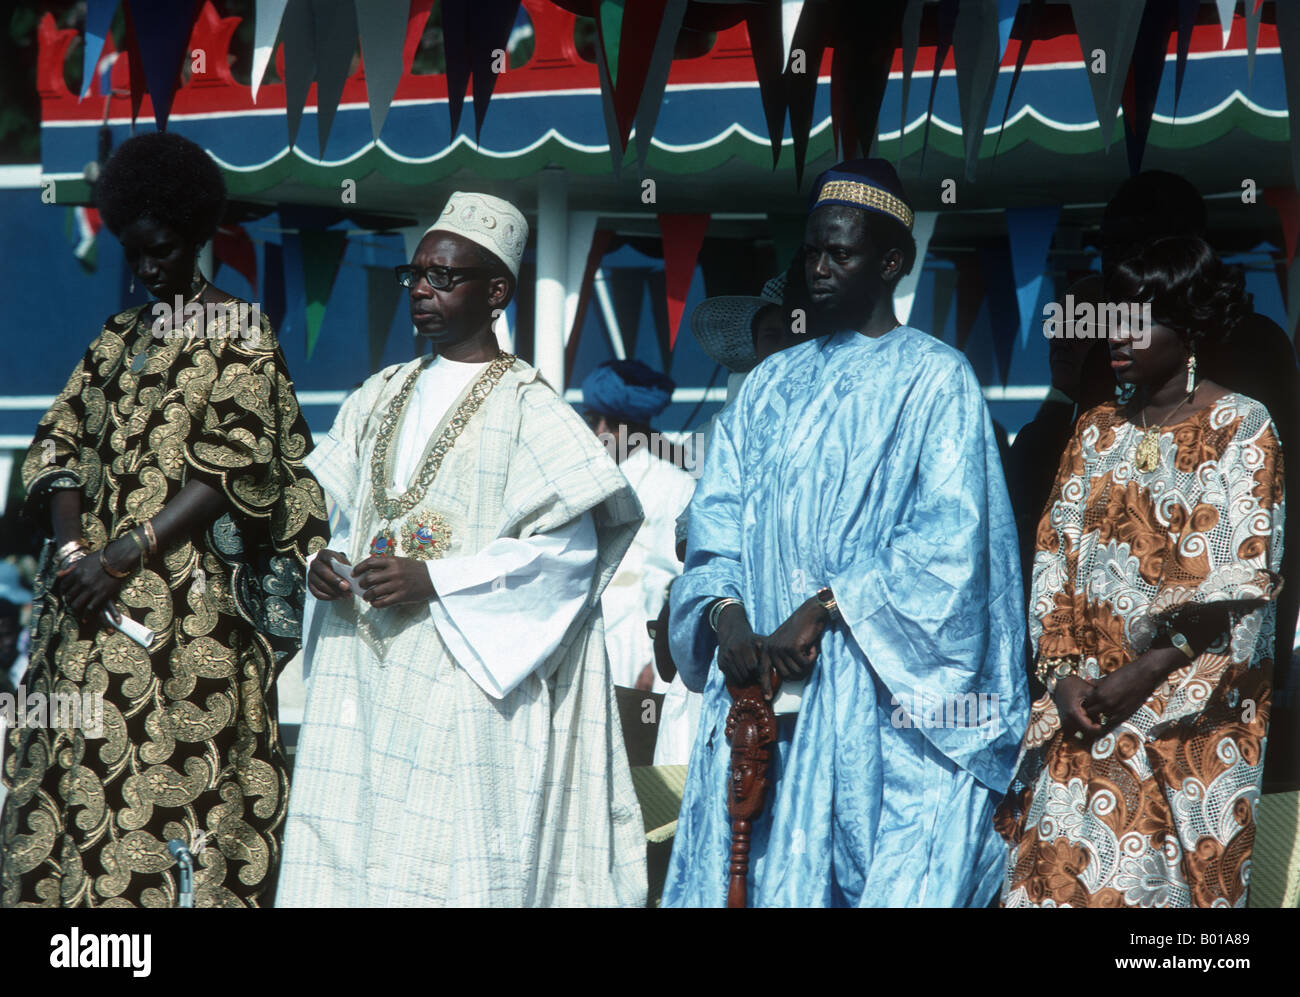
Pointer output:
x,y
1152,620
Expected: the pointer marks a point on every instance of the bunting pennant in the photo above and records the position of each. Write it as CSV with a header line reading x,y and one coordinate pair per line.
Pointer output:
x,y
1286,202
865,39
99,19
764,27
382,27
1000,291
1187,10
656,79
135,66
299,41
232,246
790,12
1288,37
383,294
682,237
976,37
810,39
321,254
335,41
266,26
472,32
1026,39
947,25
162,35
1107,33
909,42
905,292
1147,67
1226,7
637,24
1254,12
1029,233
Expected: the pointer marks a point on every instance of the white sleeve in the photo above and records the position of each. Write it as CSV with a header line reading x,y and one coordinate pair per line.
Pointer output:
x,y
503,611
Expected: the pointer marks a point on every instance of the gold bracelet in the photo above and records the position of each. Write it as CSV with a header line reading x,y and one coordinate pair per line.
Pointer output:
x,y
72,545
103,563
151,536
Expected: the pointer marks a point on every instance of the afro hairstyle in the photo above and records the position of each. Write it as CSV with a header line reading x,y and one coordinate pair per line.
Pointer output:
x,y
165,177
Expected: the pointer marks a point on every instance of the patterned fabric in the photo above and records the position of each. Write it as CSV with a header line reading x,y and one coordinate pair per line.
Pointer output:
x,y
868,465
413,786
1160,812
190,747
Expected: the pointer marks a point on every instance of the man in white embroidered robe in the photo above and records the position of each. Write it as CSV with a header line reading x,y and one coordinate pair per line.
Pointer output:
x,y
460,743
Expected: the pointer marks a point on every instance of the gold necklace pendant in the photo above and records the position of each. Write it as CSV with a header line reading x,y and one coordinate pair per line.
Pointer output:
x,y
1147,454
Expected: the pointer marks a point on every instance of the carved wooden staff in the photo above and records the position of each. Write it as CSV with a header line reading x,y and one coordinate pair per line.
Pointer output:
x,y
751,729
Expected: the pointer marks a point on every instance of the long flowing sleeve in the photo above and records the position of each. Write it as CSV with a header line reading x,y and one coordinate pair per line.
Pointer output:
x,y
937,607
503,611
58,446
713,562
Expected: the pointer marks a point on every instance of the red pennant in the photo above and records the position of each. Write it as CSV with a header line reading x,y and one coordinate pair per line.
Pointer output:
x,y
1286,202
682,237
232,246
600,240
636,45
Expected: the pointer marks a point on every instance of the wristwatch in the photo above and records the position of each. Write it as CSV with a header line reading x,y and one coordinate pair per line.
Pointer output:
x,y
827,601
1182,643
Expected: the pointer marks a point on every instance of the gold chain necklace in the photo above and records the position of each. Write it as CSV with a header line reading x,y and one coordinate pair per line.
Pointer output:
x,y
391,507
1147,454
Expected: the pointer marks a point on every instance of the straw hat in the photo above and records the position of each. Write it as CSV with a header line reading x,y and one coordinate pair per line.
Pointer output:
x,y
722,325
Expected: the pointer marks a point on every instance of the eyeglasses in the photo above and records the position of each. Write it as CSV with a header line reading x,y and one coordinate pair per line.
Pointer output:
x,y
440,278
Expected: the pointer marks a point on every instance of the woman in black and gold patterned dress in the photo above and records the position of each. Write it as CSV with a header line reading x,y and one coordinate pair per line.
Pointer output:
x,y
169,473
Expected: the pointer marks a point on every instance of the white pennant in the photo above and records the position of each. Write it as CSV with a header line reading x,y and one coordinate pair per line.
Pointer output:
x,y
790,11
1226,7
266,25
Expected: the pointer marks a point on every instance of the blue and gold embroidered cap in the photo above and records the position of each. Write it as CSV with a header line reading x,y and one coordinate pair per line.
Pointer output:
x,y
869,184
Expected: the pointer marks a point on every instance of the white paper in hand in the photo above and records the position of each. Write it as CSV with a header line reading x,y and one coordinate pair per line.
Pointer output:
x,y
344,571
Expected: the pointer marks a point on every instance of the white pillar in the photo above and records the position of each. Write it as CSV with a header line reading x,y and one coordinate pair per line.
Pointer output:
x,y
207,260
552,264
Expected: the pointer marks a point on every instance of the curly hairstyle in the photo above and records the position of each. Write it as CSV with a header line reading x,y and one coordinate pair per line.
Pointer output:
x,y
1190,289
165,177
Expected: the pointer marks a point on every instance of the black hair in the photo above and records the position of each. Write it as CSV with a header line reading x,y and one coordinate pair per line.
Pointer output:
x,y
1163,202
1189,287
167,178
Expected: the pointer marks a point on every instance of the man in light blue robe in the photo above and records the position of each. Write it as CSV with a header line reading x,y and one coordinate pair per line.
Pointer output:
x,y
853,508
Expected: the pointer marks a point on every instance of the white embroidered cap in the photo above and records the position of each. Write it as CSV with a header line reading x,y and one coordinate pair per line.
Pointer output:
x,y
496,225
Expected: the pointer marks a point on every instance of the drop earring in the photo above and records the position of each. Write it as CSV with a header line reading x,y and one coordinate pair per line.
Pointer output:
x,y
133,283
196,281
1191,373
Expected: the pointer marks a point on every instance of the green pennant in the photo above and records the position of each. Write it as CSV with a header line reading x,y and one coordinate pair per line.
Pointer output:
x,y
611,29
321,254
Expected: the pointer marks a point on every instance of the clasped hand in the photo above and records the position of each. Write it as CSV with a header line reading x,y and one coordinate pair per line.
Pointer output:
x,y
88,589
384,581
747,658
1084,704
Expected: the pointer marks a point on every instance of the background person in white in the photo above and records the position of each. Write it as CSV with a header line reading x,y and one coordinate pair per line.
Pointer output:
x,y
460,743
619,399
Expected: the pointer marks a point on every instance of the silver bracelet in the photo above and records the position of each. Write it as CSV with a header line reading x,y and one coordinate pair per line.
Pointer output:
x,y
717,609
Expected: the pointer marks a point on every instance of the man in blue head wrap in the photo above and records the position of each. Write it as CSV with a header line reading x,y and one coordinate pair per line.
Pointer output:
x,y
620,399
852,533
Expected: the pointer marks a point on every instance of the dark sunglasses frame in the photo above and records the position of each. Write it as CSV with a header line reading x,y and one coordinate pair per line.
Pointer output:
x,y
447,277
